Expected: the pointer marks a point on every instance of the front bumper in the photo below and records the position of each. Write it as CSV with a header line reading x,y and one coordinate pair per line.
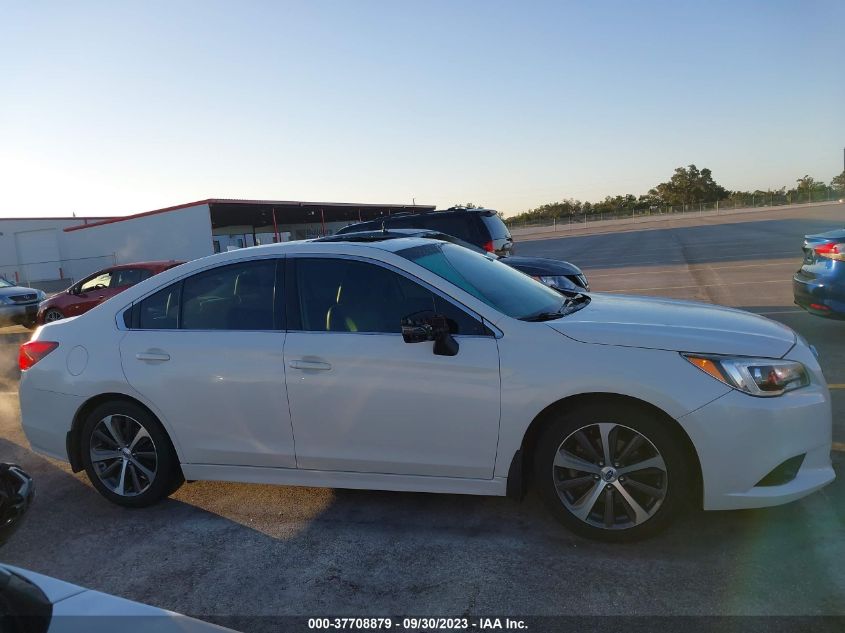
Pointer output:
x,y
18,314
740,439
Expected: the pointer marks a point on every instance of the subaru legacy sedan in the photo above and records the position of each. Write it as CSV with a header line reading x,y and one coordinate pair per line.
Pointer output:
x,y
418,365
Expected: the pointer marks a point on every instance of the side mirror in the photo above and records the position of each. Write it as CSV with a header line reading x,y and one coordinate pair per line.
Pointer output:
x,y
432,328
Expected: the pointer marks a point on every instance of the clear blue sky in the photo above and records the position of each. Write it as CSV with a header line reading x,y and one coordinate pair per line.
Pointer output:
x,y
118,107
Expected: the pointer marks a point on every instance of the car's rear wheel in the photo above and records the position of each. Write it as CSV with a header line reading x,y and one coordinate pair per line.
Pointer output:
x,y
53,315
612,472
128,456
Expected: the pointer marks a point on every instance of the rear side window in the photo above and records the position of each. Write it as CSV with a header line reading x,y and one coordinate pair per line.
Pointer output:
x,y
235,297
459,225
498,229
129,277
161,310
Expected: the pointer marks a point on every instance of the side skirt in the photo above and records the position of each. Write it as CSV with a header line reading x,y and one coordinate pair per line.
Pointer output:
x,y
333,479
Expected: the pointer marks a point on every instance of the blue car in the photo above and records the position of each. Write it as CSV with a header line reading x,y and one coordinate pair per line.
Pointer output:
x,y
819,285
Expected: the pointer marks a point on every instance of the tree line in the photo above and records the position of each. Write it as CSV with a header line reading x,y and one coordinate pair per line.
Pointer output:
x,y
689,187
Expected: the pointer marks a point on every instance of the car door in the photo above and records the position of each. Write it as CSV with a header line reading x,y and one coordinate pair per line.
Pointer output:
x,y
363,400
90,292
207,353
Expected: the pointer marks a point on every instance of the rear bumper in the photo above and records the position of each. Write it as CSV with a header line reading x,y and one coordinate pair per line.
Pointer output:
x,y
46,418
740,439
819,296
23,314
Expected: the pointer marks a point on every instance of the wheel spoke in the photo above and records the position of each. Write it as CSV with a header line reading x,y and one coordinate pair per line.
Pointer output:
x,y
651,491
567,484
107,439
639,513
604,430
140,434
629,449
133,474
121,484
101,455
652,462
149,474
108,470
585,504
609,517
585,443
565,459
113,431
145,454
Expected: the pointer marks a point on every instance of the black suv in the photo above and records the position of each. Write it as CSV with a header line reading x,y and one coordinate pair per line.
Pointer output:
x,y
481,227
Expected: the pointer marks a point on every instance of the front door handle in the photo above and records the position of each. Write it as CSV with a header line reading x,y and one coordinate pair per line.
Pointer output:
x,y
152,356
310,364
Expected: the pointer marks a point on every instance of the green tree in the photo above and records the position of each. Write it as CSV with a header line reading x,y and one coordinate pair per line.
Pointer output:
x,y
806,184
688,185
838,183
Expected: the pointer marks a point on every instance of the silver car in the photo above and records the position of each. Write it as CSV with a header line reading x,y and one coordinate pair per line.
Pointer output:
x,y
19,305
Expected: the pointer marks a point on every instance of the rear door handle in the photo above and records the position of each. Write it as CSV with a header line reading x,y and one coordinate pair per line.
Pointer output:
x,y
152,356
310,364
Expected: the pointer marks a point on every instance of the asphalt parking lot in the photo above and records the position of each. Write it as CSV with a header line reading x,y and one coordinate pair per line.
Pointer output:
x,y
220,550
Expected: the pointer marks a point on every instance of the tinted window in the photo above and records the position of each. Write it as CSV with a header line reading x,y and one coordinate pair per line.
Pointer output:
x,y
235,297
491,281
96,283
498,229
454,224
161,310
340,295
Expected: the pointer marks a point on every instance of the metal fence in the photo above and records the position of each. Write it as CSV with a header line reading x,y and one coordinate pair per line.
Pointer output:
x,y
55,274
734,203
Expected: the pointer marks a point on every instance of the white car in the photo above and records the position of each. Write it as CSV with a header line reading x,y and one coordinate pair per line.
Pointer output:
x,y
415,364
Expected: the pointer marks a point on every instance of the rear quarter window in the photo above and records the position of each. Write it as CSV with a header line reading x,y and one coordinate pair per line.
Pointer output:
x,y
498,230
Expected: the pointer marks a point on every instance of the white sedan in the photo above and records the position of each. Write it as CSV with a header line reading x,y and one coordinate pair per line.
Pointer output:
x,y
414,364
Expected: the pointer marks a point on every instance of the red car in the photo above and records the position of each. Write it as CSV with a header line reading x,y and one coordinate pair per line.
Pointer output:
x,y
93,290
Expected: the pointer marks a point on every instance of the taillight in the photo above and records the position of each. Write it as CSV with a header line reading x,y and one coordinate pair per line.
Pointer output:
x,y
32,352
831,250
488,246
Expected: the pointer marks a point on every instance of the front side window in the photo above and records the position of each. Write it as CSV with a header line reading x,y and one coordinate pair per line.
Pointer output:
x,y
496,284
99,282
343,295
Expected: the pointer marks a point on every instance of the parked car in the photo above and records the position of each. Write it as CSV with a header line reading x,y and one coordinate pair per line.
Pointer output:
x,y
557,274
35,603
481,227
419,365
96,288
19,305
819,285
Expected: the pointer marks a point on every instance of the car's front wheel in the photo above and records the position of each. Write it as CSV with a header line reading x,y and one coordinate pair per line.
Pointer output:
x,y
128,456
611,472
53,315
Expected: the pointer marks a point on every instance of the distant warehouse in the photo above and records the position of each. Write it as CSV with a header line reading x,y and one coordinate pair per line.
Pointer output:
x,y
52,253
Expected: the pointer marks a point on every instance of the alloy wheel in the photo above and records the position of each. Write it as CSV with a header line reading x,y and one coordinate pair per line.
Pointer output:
x,y
123,455
53,315
610,476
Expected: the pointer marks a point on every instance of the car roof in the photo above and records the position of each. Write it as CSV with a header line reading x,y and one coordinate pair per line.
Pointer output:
x,y
151,264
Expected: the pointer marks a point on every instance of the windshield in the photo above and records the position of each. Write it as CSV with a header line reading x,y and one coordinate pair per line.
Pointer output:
x,y
499,286
5,284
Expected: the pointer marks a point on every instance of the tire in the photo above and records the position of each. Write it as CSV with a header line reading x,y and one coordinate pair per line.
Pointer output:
x,y
53,315
574,478
147,473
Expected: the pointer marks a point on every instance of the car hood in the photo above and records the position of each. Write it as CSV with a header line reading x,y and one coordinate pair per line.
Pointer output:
x,y
683,326
838,234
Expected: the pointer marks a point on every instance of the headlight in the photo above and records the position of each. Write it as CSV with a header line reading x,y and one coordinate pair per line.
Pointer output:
x,y
755,376
558,281
5,301
41,296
